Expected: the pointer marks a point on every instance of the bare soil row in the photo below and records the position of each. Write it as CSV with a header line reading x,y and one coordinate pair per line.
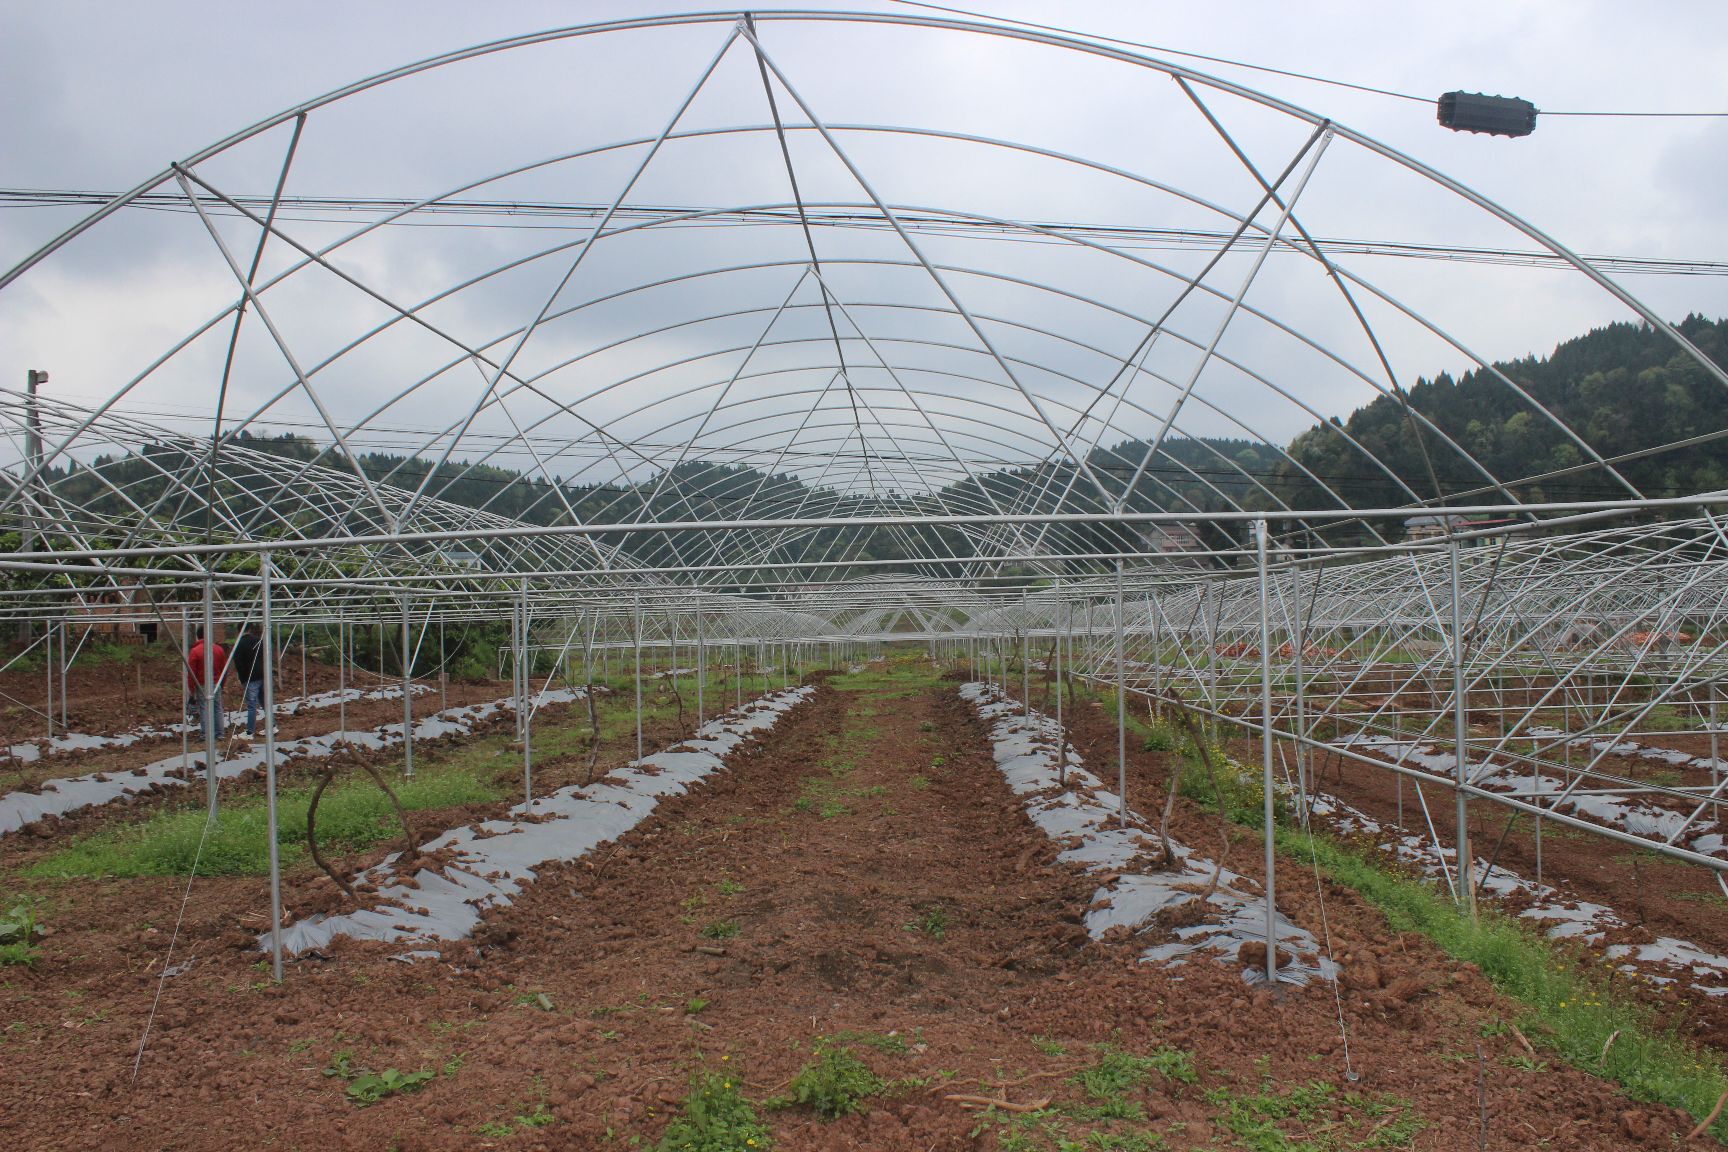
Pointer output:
x,y
788,899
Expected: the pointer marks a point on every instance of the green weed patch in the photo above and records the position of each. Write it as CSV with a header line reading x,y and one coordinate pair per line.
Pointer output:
x,y
351,816
1571,1009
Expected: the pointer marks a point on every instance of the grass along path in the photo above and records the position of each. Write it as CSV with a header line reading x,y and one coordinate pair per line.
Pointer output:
x,y
354,815
1575,1005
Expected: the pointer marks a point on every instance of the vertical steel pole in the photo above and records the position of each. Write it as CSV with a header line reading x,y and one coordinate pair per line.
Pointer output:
x,y
636,636
1157,625
1026,666
1716,764
48,664
1121,708
526,711
527,745
701,669
1061,732
1460,736
1715,761
1296,642
65,660
407,689
341,679
185,692
1267,813
515,666
1209,625
33,464
268,657
672,646
211,700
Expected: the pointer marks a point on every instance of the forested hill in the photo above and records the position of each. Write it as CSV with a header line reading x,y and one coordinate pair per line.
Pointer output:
x,y
1625,388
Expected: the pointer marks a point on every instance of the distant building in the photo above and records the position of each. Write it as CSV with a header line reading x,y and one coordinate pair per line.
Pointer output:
x,y
455,557
1179,543
1438,527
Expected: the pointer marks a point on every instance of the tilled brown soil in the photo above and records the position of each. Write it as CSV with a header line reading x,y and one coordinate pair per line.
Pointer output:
x,y
589,1001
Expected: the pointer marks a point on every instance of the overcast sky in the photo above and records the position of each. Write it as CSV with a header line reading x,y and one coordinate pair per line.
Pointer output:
x,y
102,95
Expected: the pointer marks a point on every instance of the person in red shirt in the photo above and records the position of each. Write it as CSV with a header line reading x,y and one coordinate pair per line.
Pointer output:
x,y
196,690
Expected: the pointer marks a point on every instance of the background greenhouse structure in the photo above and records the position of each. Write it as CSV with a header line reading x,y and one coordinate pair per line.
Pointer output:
x,y
782,386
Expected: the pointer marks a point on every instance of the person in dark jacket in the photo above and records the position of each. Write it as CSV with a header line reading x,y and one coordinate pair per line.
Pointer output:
x,y
249,669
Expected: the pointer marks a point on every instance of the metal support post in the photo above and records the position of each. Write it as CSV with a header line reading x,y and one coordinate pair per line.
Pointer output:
x,y
525,709
407,686
1121,708
1155,620
636,638
1715,758
1267,813
1460,738
185,692
48,663
211,699
1061,732
341,679
268,657
1026,667
515,665
1296,641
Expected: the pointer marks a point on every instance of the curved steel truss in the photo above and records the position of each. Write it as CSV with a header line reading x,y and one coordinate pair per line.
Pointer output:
x,y
768,353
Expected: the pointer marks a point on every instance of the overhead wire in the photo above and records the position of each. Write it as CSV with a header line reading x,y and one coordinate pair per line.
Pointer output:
x,y
483,213
1333,81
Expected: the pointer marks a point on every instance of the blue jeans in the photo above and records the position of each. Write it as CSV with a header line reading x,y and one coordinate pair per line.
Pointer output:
x,y
195,712
254,701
